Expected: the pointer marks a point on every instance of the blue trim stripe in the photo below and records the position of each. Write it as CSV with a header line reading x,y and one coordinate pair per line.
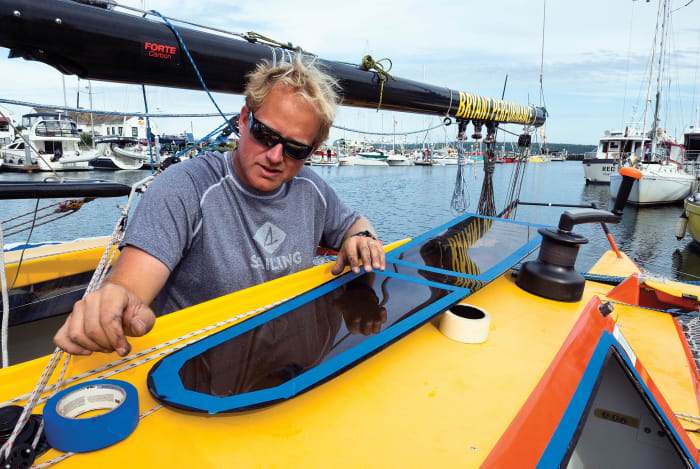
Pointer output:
x,y
168,385
559,443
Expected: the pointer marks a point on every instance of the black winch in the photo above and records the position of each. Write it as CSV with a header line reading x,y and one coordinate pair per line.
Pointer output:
x,y
22,455
552,275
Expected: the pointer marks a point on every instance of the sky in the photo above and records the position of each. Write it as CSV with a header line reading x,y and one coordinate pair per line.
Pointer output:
x,y
595,68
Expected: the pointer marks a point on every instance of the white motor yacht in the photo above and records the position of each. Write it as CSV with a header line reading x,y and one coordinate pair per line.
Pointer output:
x,y
371,158
53,145
399,159
614,146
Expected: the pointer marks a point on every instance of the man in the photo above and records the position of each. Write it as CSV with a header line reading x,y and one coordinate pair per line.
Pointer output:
x,y
219,223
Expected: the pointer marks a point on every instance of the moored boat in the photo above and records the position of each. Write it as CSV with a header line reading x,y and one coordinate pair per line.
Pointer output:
x,y
399,159
691,212
691,143
50,143
612,147
371,158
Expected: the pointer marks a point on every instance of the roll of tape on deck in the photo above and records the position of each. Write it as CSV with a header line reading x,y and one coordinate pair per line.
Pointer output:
x,y
66,431
466,323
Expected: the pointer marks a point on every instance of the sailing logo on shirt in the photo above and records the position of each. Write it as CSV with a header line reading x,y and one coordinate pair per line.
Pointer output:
x,y
269,237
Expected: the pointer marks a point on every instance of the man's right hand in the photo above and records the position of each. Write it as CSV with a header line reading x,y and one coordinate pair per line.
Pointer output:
x,y
101,321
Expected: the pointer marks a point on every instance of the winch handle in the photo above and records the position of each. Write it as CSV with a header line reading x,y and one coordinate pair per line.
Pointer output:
x,y
571,218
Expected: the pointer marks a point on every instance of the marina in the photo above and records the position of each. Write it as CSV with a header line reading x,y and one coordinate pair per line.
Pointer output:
x,y
386,194
520,305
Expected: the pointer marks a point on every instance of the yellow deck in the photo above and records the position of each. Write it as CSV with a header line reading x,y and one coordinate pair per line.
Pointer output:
x,y
425,401
54,261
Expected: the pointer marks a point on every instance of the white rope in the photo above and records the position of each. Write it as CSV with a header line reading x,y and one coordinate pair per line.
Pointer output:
x,y
225,31
4,334
41,387
274,56
389,133
688,417
120,364
34,398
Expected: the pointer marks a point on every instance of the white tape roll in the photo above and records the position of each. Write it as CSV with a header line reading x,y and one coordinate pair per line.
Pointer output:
x,y
466,323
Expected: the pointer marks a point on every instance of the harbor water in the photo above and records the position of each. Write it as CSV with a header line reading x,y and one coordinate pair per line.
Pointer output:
x,y
403,202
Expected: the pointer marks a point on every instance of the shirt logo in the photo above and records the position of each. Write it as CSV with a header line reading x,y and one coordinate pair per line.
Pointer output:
x,y
269,237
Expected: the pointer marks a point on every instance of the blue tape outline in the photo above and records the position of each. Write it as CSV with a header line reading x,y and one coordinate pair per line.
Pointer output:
x,y
558,445
487,276
165,374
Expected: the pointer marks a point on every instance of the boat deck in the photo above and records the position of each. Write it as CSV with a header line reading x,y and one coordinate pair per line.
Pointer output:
x,y
423,401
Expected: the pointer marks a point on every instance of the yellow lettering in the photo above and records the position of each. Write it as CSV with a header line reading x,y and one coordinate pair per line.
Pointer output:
x,y
470,105
460,110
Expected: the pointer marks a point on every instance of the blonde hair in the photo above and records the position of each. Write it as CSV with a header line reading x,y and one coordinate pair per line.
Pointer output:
x,y
303,77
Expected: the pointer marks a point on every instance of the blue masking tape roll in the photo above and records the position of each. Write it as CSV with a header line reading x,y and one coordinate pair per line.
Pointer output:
x,y
65,431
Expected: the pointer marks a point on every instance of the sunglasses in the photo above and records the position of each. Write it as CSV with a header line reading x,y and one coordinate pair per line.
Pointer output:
x,y
268,137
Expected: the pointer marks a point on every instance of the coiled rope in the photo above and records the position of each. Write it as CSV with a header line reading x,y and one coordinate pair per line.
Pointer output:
x,y
460,195
368,63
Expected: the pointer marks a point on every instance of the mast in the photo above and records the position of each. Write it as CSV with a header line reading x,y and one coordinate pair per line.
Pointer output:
x,y
651,74
659,81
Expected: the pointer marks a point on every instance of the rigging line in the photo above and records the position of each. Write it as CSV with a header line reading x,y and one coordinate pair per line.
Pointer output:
x,y
149,134
637,260
151,12
194,65
4,327
45,207
109,113
148,125
24,249
689,2
388,133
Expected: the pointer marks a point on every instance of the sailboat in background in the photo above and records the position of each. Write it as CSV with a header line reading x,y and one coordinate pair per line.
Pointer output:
x,y
664,179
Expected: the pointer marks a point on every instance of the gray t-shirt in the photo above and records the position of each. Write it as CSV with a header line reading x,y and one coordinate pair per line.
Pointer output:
x,y
217,235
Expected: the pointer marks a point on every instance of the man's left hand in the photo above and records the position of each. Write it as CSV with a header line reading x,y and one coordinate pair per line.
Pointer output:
x,y
356,248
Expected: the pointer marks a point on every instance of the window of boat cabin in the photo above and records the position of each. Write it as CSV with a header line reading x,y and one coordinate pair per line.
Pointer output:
x,y
627,146
604,146
614,145
51,146
120,130
4,126
134,132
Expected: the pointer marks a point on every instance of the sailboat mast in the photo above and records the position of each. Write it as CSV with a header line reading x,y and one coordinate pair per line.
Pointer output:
x,y
659,81
651,74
